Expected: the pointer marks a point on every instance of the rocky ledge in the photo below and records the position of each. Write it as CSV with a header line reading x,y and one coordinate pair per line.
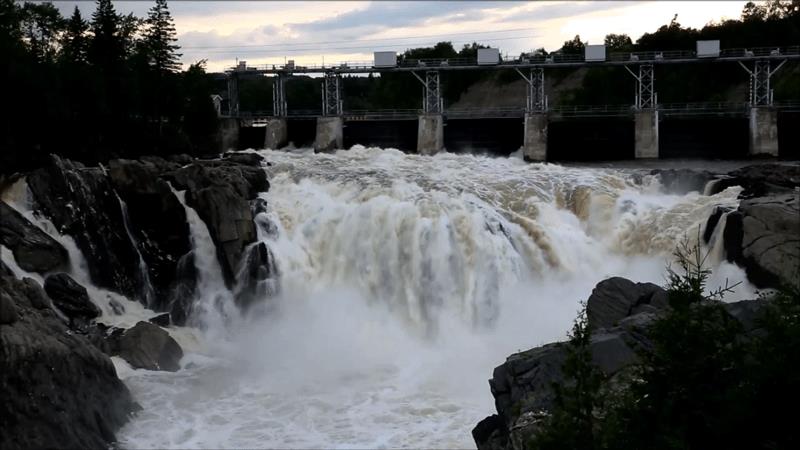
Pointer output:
x,y
60,387
619,313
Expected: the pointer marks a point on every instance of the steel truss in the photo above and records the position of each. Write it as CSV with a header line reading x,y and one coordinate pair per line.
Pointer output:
x,y
331,95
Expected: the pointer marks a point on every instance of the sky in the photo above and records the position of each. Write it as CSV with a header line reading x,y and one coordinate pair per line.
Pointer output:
x,y
313,32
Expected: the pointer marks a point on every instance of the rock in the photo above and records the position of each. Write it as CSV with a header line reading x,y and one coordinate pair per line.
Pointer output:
x,y
33,249
490,433
682,181
147,346
763,236
5,270
183,290
229,221
59,391
617,298
81,202
760,180
8,312
157,219
161,320
258,279
70,298
713,220
249,159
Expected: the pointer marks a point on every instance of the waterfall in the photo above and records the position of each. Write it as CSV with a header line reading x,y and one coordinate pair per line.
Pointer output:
x,y
144,272
213,306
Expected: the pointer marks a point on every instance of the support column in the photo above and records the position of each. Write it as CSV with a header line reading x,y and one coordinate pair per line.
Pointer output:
x,y
228,134
763,131
646,134
275,136
430,134
233,95
330,134
534,144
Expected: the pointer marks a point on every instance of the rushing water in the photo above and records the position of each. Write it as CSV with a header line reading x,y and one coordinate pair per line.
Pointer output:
x,y
404,280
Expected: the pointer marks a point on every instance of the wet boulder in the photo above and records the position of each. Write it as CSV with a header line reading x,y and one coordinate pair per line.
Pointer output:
x,y
258,279
763,236
183,290
682,181
59,390
33,249
617,298
71,298
248,159
760,180
81,202
230,223
147,346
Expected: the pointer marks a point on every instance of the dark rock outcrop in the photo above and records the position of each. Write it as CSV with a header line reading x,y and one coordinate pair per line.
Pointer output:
x,y
59,391
81,202
71,299
259,277
147,346
617,298
157,219
621,313
763,236
713,221
161,320
33,249
760,180
682,181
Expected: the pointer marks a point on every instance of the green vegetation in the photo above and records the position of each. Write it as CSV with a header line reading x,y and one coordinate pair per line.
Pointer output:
x,y
708,381
92,90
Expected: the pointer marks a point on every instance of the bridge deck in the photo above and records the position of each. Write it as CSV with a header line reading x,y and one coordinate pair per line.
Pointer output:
x,y
534,61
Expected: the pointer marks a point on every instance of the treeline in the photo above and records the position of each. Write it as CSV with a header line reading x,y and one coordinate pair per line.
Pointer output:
x,y
97,88
773,23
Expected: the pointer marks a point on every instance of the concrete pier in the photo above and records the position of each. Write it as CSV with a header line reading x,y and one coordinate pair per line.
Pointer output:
x,y
430,134
534,144
228,134
763,131
330,134
646,134
275,135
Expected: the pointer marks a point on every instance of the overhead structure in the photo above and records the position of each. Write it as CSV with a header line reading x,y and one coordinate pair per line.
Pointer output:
x,y
760,89
646,97
233,95
279,108
536,101
432,95
331,94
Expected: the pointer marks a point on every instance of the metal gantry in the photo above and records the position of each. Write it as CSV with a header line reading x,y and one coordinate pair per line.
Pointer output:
x,y
432,94
331,94
760,90
536,101
279,108
233,95
646,97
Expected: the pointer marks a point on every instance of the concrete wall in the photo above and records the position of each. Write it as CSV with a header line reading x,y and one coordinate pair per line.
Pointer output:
x,y
763,131
228,134
275,135
534,142
430,134
646,134
330,134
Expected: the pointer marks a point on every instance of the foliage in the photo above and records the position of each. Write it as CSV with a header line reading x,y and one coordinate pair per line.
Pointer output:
x,y
707,381
97,89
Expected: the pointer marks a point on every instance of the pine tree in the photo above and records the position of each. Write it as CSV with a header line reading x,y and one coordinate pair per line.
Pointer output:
x,y
159,39
75,43
106,46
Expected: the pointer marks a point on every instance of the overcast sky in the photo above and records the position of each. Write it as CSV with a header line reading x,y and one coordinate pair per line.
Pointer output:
x,y
262,32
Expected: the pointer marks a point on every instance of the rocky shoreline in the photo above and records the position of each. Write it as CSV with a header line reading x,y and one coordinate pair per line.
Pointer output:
x,y
762,236
126,219
129,220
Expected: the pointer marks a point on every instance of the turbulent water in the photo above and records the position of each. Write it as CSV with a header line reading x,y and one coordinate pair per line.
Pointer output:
x,y
404,280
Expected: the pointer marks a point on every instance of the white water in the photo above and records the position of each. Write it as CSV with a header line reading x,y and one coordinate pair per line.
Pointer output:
x,y
404,281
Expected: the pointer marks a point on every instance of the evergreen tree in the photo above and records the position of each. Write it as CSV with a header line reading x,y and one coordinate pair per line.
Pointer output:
x,y
42,25
75,43
159,39
106,46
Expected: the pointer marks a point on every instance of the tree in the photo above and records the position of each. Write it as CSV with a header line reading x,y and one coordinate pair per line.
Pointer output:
x,y
74,42
574,46
753,12
42,24
159,39
618,42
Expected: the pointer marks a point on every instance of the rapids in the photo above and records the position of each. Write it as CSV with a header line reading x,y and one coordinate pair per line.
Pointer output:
x,y
404,280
